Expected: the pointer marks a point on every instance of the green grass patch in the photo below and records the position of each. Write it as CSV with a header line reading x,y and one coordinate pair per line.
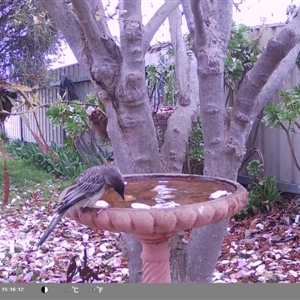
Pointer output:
x,y
25,180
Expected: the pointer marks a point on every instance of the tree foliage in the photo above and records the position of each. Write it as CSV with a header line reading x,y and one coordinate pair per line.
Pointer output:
x,y
285,115
27,37
242,53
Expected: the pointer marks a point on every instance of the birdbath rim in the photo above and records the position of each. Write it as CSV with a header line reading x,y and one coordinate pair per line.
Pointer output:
x,y
143,222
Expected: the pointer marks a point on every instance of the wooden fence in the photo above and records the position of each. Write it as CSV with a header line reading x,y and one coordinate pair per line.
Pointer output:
x,y
15,127
272,142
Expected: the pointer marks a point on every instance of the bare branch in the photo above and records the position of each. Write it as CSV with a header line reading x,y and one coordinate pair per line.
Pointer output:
x,y
180,54
176,135
88,23
98,8
186,5
132,10
66,21
155,22
276,50
132,28
223,13
121,10
261,84
201,34
236,5
275,80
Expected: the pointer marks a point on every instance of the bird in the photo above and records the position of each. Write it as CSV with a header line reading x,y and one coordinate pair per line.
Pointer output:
x,y
87,189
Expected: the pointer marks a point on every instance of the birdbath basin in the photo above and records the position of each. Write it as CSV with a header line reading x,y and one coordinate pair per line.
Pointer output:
x,y
157,206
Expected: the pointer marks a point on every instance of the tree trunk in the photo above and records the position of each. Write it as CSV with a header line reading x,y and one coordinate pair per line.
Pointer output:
x,y
225,134
211,36
185,113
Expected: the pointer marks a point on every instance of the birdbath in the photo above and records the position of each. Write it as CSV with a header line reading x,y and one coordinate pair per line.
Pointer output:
x,y
157,206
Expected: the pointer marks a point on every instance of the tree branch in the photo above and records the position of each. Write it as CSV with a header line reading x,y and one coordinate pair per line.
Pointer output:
x,y
185,114
98,8
276,50
155,22
131,34
121,11
224,12
186,5
88,23
181,58
275,80
66,21
132,10
248,106
200,33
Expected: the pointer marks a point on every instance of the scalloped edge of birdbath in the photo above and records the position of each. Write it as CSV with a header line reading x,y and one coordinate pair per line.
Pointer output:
x,y
166,221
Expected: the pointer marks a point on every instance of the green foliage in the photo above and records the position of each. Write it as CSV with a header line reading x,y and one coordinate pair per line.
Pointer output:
x,y
26,179
72,116
242,53
263,191
93,99
196,146
255,170
287,110
69,164
28,37
163,73
170,88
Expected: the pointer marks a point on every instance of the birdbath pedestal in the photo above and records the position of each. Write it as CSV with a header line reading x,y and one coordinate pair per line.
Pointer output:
x,y
154,224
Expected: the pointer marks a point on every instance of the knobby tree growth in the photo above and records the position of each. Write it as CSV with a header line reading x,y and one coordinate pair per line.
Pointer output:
x,y
117,72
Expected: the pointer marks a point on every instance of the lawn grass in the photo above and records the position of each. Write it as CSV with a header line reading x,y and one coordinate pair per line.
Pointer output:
x,y
26,180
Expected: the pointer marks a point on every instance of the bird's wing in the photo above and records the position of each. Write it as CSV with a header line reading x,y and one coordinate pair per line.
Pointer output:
x,y
85,186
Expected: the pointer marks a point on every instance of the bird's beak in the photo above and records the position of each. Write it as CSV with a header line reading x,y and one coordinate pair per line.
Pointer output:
x,y
122,197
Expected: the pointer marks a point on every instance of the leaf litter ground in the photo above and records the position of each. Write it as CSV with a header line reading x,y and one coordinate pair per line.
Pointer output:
x,y
263,248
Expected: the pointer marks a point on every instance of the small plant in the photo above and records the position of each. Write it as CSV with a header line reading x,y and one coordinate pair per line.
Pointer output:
x,y
255,170
285,115
72,116
263,191
196,146
242,53
69,164
195,151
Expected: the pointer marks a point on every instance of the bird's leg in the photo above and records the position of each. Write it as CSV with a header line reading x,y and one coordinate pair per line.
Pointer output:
x,y
82,209
99,211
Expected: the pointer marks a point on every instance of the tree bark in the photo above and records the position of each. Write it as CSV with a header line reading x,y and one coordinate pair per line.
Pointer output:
x,y
210,43
185,113
179,127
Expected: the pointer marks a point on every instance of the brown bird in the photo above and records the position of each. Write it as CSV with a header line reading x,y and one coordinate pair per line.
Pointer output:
x,y
87,188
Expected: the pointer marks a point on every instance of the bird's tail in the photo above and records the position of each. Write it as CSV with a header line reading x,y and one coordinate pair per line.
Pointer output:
x,y
50,228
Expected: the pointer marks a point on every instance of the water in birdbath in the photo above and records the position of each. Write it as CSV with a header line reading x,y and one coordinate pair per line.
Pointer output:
x,y
169,191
